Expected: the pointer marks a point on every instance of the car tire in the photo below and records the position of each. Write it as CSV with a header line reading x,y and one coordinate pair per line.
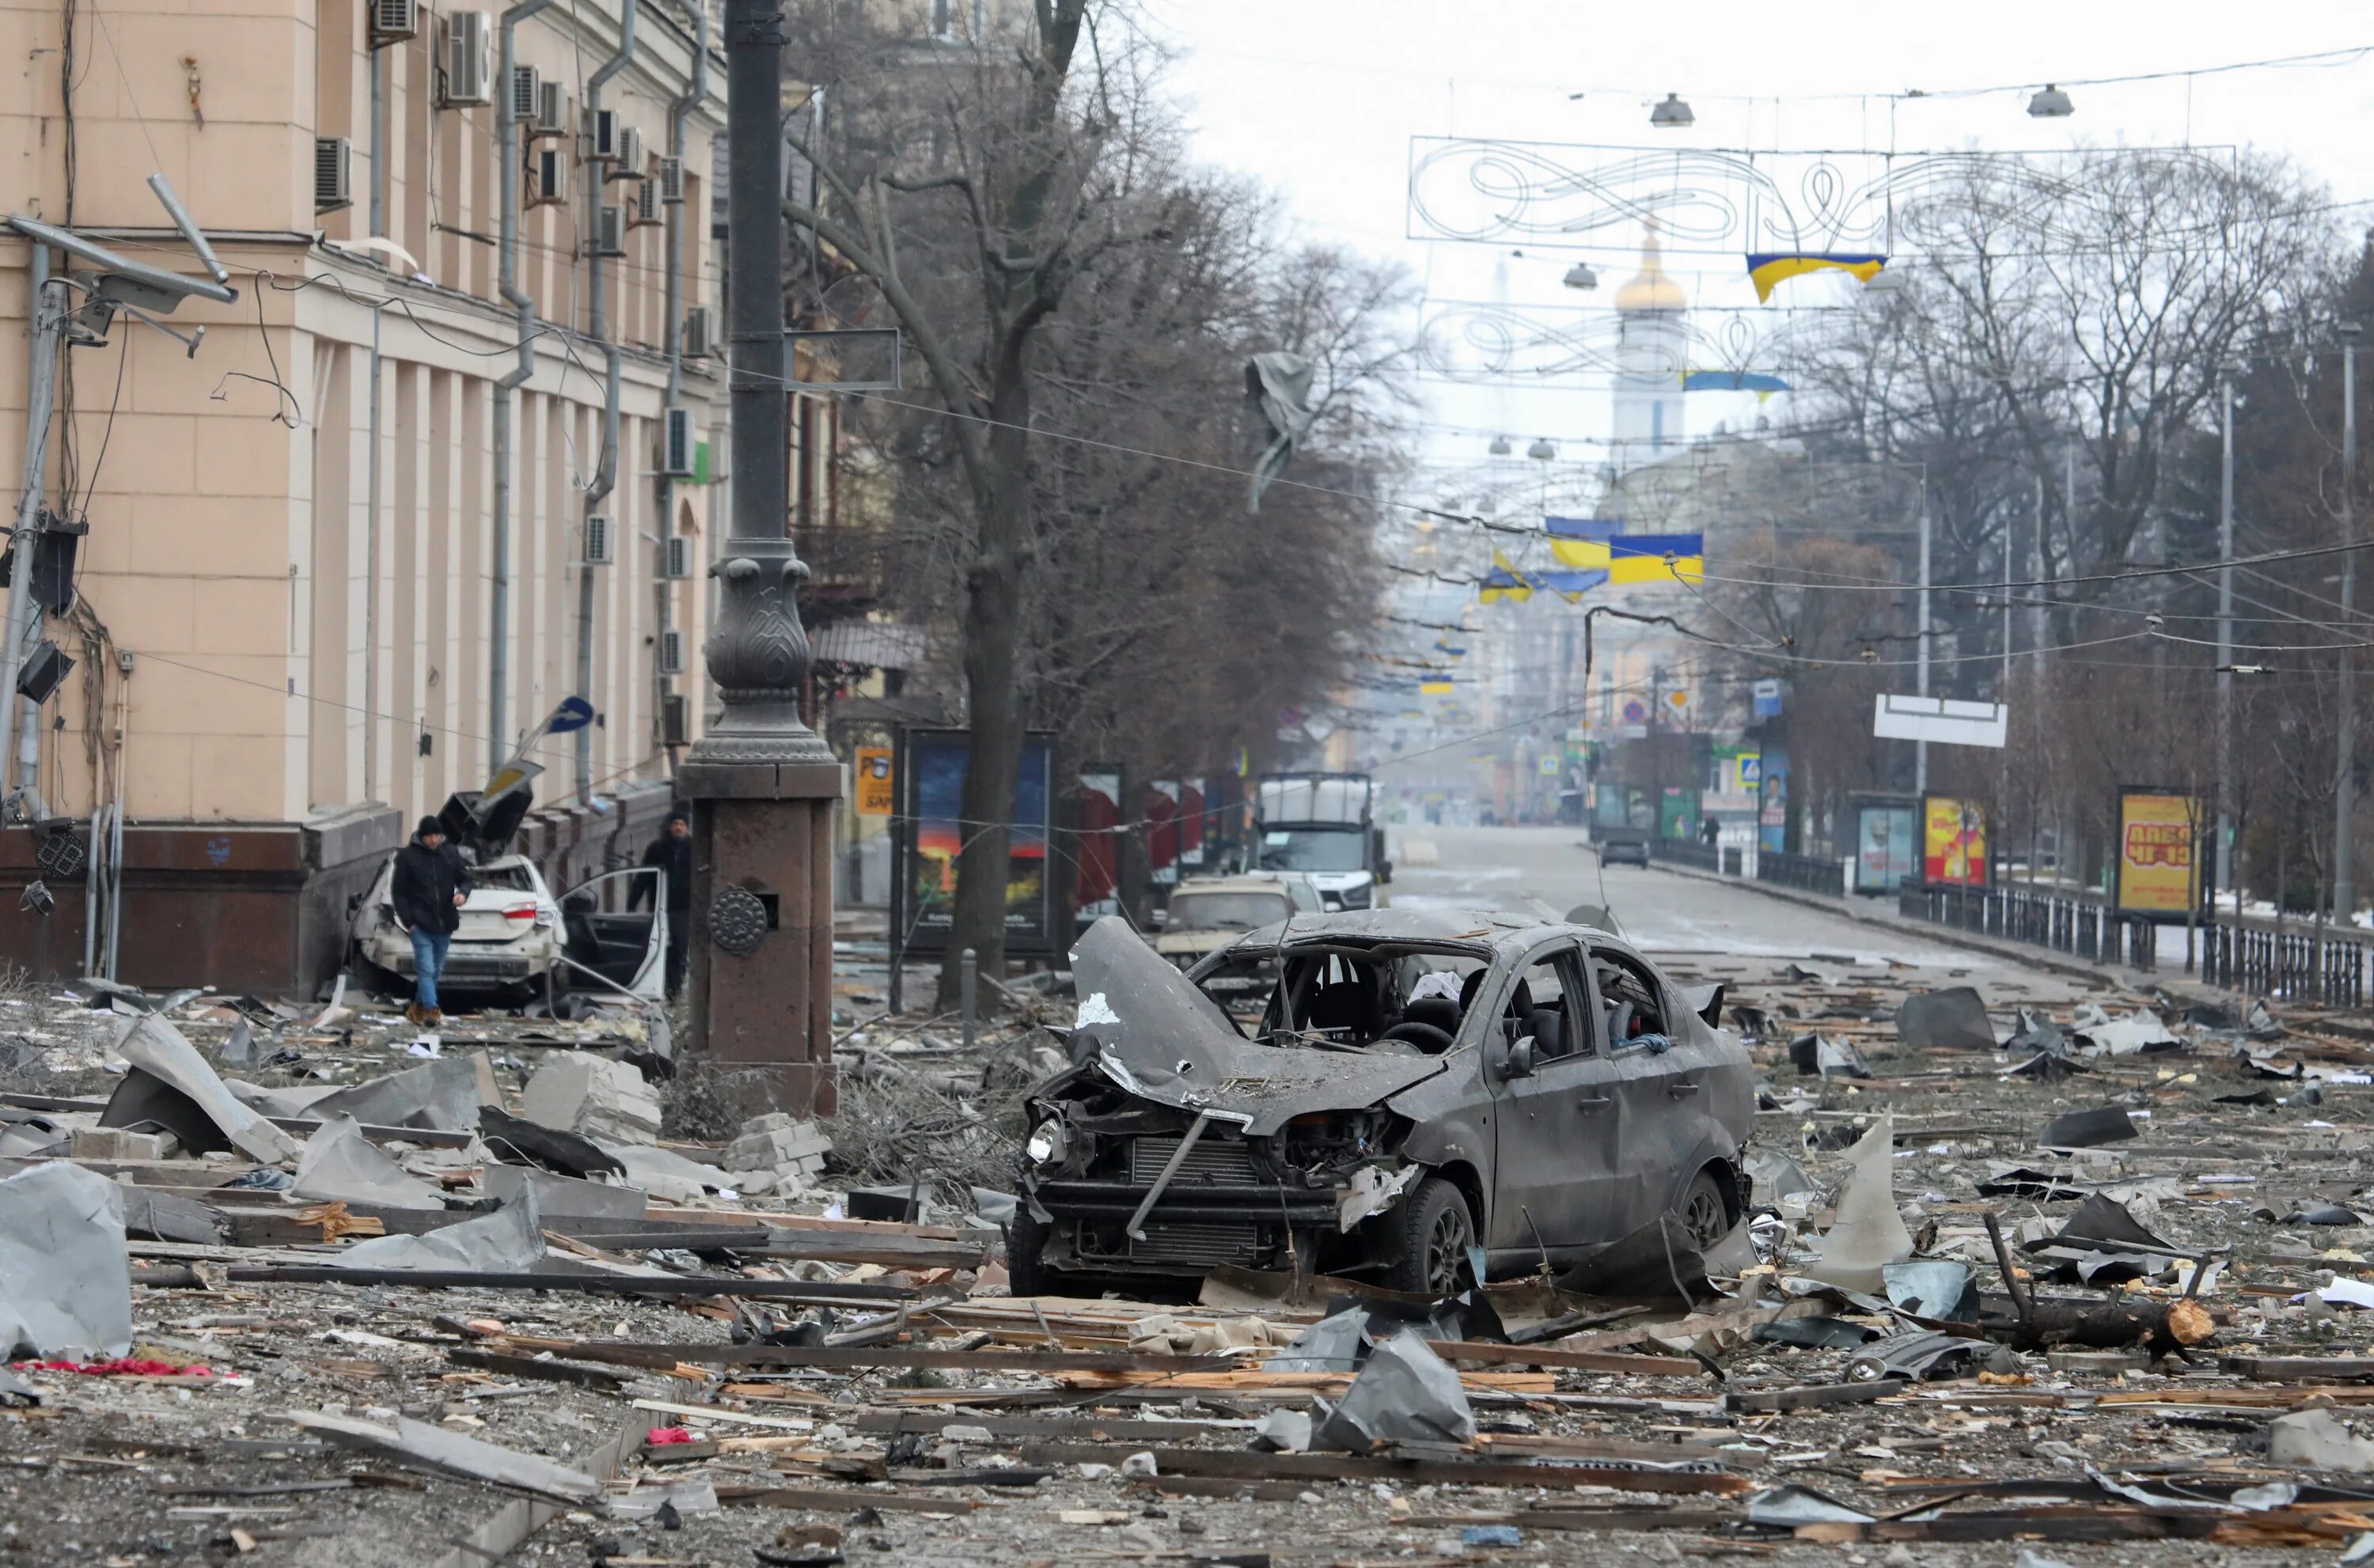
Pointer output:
x,y
1704,1212
1025,1239
1434,1229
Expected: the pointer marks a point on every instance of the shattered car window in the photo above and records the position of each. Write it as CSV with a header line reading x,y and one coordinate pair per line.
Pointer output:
x,y
1632,1001
504,876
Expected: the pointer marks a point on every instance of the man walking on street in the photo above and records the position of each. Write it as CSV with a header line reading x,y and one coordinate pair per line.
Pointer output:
x,y
671,854
428,890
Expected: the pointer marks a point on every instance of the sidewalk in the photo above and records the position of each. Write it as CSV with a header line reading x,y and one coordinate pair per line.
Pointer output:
x,y
1880,917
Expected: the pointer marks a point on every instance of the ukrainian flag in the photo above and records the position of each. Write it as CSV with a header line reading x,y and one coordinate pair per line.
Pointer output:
x,y
1762,383
1572,584
1655,558
1581,541
1504,582
1434,688
1769,270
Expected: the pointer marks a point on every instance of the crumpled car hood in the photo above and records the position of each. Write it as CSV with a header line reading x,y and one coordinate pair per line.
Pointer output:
x,y
1156,1034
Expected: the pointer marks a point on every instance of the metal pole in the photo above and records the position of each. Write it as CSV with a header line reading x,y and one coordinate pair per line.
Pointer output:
x,y
672,338
969,990
606,476
371,552
498,576
2226,638
755,260
49,297
2345,784
1921,748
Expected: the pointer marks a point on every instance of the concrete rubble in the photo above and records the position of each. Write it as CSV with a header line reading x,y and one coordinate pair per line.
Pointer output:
x,y
327,1302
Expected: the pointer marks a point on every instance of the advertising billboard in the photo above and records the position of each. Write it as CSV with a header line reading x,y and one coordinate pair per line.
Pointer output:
x,y
2159,864
931,776
1096,881
1885,838
875,794
1954,841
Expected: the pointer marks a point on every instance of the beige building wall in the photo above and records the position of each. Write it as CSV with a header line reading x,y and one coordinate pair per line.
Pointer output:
x,y
286,654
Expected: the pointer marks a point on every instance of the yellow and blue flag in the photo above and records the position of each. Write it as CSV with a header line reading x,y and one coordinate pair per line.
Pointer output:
x,y
1768,269
1761,383
1434,688
1504,582
1627,559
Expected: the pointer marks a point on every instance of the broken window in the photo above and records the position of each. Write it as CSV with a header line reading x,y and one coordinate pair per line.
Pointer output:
x,y
1346,995
1630,999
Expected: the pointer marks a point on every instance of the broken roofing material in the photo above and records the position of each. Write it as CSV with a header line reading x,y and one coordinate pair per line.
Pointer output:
x,y
505,1242
171,1086
65,1279
1406,1393
340,1165
423,1447
1869,1232
1954,1019
2139,1032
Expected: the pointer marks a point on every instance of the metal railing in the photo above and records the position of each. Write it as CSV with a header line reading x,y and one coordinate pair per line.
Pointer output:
x,y
2078,927
2311,965
1687,852
1809,873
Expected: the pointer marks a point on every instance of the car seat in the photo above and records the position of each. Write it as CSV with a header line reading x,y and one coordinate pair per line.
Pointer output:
x,y
1347,1005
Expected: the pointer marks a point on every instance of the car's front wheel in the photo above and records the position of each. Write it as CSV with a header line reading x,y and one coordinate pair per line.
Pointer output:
x,y
1026,1238
1435,1232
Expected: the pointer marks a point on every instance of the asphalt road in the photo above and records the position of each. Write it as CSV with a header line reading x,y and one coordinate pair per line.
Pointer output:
x,y
1548,871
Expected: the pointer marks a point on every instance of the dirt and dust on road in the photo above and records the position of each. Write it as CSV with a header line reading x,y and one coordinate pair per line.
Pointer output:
x,y
2032,1268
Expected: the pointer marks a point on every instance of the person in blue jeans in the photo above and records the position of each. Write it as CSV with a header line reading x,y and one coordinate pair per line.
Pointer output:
x,y
427,889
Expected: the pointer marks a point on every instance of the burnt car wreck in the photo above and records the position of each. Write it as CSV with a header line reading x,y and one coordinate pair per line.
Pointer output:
x,y
1422,1098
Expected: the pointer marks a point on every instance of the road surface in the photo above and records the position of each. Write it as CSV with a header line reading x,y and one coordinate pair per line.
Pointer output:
x,y
1548,871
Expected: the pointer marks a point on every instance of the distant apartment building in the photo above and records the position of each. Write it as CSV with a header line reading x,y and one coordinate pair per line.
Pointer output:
x,y
300,624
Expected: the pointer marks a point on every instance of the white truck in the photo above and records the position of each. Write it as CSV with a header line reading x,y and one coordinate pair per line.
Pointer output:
x,y
1323,825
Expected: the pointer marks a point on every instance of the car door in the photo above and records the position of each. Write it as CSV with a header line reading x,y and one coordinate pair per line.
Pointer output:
x,y
1557,1143
605,933
1653,1083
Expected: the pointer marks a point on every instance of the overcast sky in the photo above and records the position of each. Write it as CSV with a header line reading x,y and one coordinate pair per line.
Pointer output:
x,y
1321,99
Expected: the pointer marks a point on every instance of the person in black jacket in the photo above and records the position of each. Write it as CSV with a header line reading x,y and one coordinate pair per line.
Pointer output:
x,y
427,889
671,854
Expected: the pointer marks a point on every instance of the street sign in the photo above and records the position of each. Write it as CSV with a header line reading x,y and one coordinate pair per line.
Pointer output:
x,y
876,796
1940,719
1635,711
1678,701
573,713
1767,696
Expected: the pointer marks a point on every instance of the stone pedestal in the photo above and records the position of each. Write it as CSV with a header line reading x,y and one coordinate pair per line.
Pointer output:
x,y
760,981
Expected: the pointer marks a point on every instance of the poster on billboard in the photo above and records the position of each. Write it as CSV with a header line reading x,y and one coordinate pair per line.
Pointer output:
x,y
931,776
1954,842
2159,868
1886,834
1096,881
874,790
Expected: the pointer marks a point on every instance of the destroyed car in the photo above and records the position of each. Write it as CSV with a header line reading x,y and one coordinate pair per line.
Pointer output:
x,y
515,943
1205,914
1428,1096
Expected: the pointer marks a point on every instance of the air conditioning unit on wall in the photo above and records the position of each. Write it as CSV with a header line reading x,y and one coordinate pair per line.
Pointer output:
x,y
643,208
610,232
671,179
695,342
551,109
597,541
527,91
550,185
601,136
332,173
469,59
671,653
676,557
630,155
393,21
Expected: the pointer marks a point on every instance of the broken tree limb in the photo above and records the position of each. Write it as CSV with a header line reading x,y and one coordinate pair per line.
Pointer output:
x,y
2044,1323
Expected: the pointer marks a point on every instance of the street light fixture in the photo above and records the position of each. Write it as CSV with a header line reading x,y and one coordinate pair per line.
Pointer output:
x,y
1579,276
1675,115
1541,450
2051,104
1500,447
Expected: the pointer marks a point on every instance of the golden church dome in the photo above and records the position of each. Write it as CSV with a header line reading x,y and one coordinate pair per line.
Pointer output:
x,y
1652,288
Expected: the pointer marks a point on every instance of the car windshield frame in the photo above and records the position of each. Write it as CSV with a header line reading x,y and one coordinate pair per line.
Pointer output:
x,y
1293,854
